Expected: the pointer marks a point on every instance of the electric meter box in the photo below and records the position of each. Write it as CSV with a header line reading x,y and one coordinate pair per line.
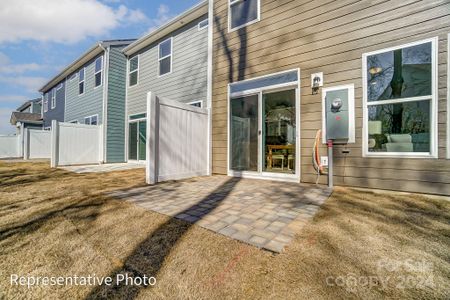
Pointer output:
x,y
338,114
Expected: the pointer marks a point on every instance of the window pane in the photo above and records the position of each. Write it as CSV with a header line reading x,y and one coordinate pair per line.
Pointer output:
x,y
244,133
81,88
98,79
94,120
400,73
134,63
279,132
243,12
203,24
133,78
196,104
81,75
98,64
400,127
87,121
284,78
165,48
164,66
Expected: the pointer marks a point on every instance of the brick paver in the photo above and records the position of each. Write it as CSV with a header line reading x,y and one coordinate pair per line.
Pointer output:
x,y
266,214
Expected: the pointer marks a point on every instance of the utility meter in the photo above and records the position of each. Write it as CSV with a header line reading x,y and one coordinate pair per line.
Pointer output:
x,y
338,109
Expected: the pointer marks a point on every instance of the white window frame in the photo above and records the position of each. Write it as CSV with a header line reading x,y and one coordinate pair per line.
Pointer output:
x,y
197,101
90,119
82,81
130,72
101,71
46,102
433,102
200,25
161,58
53,100
59,86
351,111
233,2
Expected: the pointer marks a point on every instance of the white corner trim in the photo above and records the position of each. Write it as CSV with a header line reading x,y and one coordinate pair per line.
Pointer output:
x,y
448,96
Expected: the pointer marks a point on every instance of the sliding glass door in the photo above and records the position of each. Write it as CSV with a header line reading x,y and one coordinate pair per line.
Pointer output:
x,y
279,132
137,134
263,133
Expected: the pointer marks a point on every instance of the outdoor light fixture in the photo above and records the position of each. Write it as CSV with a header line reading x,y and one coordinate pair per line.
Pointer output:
x,y
316,82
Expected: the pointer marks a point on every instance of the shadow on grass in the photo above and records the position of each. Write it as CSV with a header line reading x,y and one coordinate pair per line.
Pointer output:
x,y
148,257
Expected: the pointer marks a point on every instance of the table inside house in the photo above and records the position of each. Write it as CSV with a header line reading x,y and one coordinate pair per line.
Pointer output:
x,y
270,149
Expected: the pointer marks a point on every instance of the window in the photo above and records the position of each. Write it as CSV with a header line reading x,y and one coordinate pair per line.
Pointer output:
x,y
81,81
73,76
242,13
400,101
203,24
133,71
98,71
196,103
91,120
46,102
74,122
60,86
165,57
53,98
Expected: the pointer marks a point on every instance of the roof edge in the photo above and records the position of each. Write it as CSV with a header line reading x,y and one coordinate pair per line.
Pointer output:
x,y
187,16
81,60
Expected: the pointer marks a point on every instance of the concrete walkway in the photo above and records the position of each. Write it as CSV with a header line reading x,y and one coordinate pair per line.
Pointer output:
x,y
266,214
103,168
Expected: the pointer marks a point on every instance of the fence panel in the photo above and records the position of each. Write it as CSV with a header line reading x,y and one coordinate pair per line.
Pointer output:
x,y
76,144
38,144
10,146
177,140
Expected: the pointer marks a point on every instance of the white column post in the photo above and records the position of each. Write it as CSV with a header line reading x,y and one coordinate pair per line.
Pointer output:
x,y
26,144
152,140
55,144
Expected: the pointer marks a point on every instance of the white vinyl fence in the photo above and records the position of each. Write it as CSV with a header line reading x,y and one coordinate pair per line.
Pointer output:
x,y
177,140
37,144
10,146
76,144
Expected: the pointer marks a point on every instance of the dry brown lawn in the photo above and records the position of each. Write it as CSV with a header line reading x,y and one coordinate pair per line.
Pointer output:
x,y
362,244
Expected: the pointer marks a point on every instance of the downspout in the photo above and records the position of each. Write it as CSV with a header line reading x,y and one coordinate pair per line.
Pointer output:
x,y
209,91
105,97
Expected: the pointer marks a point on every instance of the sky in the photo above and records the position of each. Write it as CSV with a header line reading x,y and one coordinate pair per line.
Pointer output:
x,y
38,38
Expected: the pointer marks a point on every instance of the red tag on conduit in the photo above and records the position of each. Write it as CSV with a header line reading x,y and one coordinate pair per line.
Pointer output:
x,y
338,118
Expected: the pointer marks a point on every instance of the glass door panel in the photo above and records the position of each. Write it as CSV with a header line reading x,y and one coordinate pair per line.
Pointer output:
x,y
132,141
279,132
244,133
142,139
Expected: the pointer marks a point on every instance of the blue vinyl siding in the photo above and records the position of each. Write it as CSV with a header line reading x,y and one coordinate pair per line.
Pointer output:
x,y
56,113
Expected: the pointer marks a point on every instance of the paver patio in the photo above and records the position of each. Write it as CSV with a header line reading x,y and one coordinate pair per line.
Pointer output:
x,y
262,213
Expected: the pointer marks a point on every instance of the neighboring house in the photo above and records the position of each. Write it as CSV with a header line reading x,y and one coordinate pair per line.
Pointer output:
x,y
171,62
28,115
394,54
91,90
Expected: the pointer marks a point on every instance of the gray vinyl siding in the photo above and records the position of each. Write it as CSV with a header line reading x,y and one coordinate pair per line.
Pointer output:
x,y
56,113
90,103
188,80
115,132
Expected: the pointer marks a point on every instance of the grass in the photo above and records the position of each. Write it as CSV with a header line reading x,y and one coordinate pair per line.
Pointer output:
x,y
56,223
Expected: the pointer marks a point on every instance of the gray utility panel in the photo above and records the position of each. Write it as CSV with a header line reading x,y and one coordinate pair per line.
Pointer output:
x,y
337,115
